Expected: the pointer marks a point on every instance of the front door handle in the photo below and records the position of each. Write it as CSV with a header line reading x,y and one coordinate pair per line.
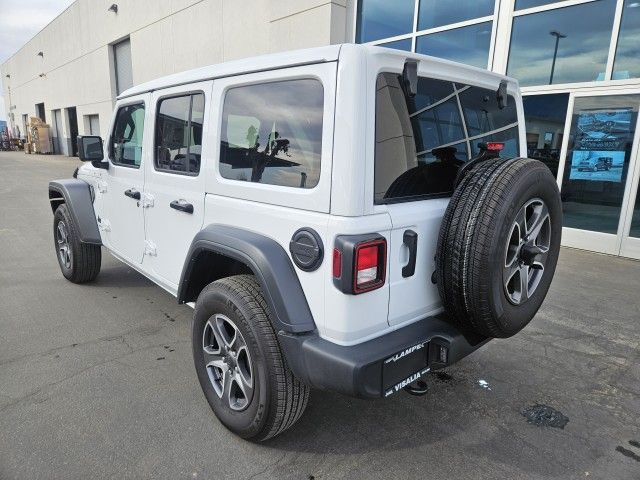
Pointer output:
x,y
132,193
410,239
182,206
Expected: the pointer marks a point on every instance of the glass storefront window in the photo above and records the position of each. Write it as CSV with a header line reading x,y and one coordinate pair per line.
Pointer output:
x,y
436,13
522,4
379,19
635,220
468,45
627,62
544,118
597,162
582,34
398,44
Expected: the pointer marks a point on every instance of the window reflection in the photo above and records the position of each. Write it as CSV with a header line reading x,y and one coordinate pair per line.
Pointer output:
x,y
435,13
468,45
272,133
422,141
583,45
545,117
382,19
522,4
179,133
627,63
482,112
597,162
398,45
635,220
126,141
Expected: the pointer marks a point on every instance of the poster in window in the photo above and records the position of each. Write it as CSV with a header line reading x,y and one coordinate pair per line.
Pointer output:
x,y
602,137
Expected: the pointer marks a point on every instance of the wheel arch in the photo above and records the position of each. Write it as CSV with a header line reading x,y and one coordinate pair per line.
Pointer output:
x,y
77,195
218,251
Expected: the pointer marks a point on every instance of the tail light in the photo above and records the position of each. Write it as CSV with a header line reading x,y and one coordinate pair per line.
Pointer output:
x,y
337,263
359,263
495,146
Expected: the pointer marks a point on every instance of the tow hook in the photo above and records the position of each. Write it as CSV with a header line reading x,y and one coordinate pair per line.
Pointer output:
x,y
417,388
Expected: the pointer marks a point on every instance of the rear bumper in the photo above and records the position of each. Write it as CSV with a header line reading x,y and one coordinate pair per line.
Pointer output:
x,y
378,367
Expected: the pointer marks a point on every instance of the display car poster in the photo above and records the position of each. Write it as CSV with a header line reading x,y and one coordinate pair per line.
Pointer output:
x,y
600,146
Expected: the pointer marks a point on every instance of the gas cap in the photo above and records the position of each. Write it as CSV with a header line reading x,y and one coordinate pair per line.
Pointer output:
x,y
306,249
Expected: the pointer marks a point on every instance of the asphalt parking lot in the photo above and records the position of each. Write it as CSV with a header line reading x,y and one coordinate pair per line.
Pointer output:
x,y
97,381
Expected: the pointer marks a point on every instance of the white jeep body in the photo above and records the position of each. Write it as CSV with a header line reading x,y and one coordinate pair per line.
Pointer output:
x,y
156,240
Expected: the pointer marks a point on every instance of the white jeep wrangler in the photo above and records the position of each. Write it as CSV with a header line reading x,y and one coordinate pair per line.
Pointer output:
x,y
344,218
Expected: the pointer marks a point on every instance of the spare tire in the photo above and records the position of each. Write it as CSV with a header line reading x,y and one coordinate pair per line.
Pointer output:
x,y
498,245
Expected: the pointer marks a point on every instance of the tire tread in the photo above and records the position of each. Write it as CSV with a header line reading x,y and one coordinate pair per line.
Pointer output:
x,y
290,396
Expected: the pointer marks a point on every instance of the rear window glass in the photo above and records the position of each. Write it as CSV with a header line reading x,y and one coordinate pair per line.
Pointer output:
x,y
272,133
421,142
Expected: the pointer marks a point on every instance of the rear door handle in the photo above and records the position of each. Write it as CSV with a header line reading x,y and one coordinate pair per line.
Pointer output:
x,y
410,239
182,206
132,193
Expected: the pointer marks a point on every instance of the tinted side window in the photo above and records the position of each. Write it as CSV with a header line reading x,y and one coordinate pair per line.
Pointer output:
x,y
178,143
421,142
272,133
126,141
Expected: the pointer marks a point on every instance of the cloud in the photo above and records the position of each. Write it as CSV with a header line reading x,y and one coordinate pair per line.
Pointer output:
x,y
19,22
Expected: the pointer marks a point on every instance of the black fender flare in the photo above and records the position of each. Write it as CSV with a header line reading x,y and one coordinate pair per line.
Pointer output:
x,y
77,195
270,264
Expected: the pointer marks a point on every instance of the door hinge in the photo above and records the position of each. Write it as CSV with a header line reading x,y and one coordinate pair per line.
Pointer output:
x,y
104,225
147,200
150,248
102,186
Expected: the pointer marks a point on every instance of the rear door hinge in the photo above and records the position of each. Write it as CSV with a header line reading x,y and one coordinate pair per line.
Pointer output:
x,y
150,248
147,200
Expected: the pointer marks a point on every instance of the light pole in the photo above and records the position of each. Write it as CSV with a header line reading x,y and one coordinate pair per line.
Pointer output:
x,y
10,119
558,36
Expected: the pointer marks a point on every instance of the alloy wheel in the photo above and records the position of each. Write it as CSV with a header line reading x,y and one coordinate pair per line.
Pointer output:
x,y
527,251
64,246
228,362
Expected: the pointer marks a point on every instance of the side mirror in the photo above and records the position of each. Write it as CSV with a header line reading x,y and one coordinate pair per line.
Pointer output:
x,y
90,150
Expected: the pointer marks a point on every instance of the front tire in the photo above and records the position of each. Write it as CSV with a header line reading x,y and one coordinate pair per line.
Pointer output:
x,y
241,369
79,262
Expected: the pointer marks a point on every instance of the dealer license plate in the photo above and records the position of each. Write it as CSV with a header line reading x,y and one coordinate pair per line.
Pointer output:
x,y
404,367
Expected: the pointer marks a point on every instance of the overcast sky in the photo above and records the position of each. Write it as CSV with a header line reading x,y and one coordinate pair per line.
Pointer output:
x,y
20,20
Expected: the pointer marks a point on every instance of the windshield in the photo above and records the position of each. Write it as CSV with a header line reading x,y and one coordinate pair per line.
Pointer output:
x,y
422,141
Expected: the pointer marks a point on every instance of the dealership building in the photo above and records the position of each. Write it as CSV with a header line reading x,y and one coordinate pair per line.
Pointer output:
x,y
578,63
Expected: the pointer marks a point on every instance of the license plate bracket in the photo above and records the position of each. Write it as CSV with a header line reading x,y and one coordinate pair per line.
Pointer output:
x,y
404,367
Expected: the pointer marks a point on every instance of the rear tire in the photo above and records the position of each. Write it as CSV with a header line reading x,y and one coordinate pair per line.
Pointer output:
x,y
79,262
263,398
498,246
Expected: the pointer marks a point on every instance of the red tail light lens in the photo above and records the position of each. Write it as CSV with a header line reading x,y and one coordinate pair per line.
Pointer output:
x,y
369,265
495,146
337,263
